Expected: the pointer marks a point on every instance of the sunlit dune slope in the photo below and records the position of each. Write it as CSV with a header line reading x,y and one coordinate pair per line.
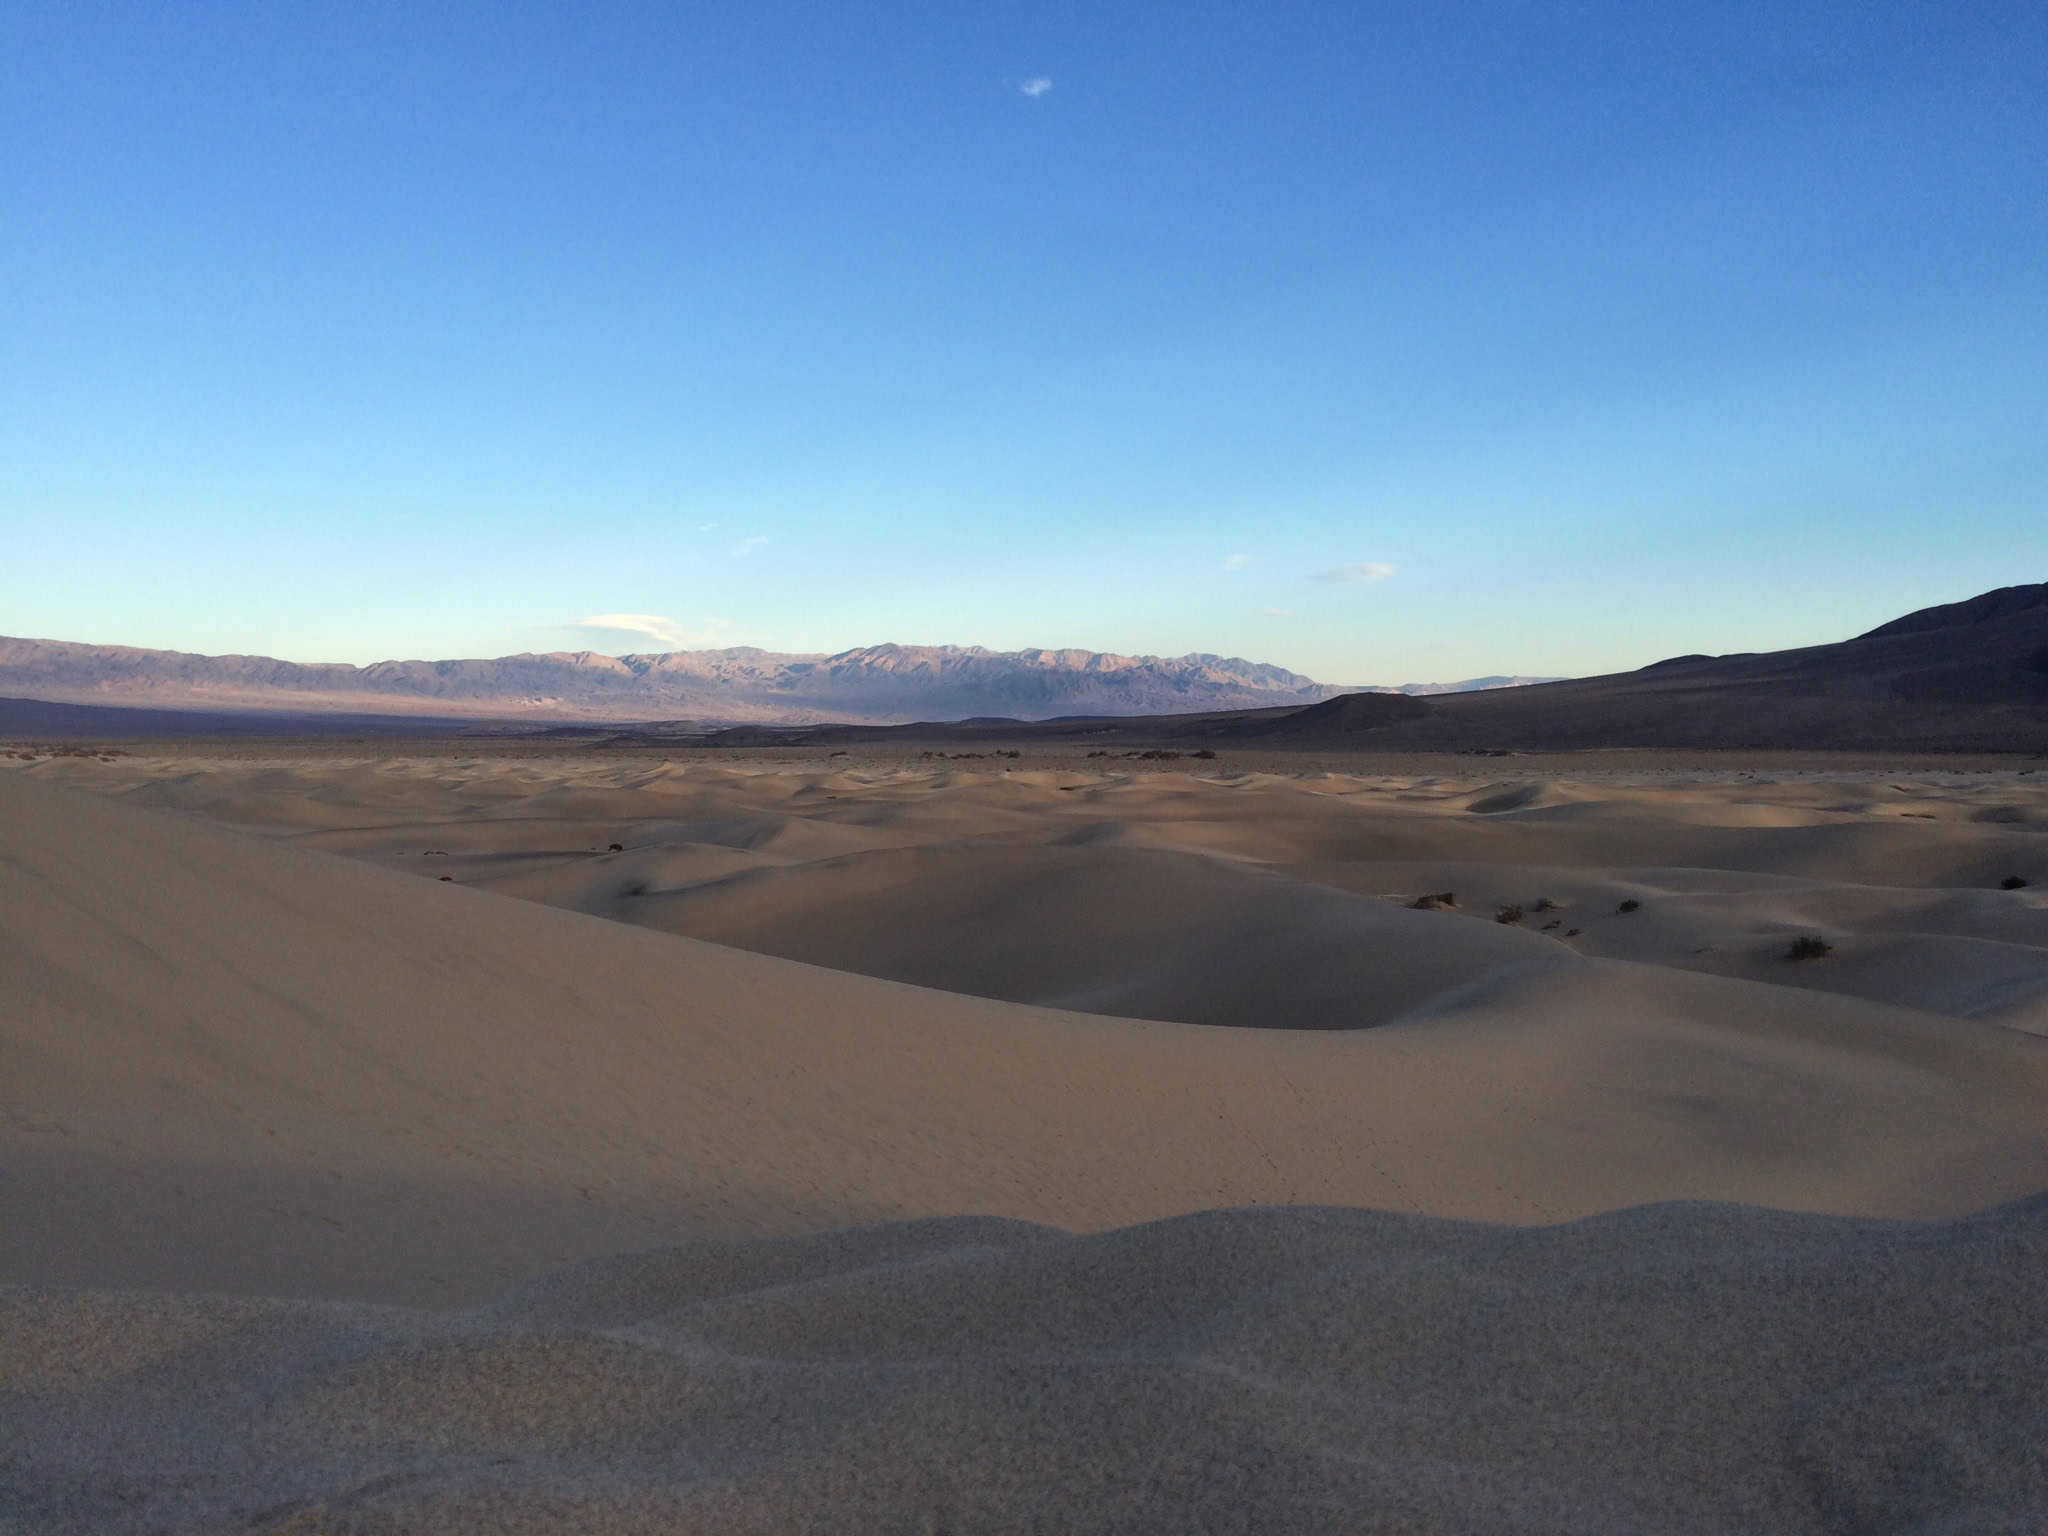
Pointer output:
x,y
242,1065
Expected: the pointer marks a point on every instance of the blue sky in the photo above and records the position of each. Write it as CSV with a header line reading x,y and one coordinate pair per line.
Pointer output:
x,y
1388,343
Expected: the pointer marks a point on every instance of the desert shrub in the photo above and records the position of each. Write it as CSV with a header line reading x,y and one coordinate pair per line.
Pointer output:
x,y
1809,946
1573,933
1508,914
1631,905
1435,901
1545,904
2012,883
618,847
1207,755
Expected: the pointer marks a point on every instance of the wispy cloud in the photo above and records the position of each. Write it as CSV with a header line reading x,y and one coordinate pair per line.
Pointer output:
x,y
1356,575
1236,562
653,625
747,546
1277,613
670,634
1036,86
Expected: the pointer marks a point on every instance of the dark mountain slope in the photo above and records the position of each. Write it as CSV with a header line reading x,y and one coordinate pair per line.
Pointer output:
x,y
2003,603
1969,676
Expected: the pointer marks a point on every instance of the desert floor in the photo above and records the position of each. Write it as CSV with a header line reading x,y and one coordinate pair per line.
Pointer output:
x,y
1036,1143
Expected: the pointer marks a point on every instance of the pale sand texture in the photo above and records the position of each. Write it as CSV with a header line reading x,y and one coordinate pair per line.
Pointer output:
x,y
1672,1369
238,1064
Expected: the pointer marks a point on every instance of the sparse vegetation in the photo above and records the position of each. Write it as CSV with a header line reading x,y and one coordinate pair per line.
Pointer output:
x,y
618,847
1545,904
2013,883
1809,946
1573,933
1508,914
1435,901
1207,755
103,754
1631,905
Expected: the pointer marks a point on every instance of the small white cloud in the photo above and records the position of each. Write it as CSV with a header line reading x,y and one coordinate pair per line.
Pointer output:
x,y
1277,613
1354,575
1036,86
747,546
653,625
1236,562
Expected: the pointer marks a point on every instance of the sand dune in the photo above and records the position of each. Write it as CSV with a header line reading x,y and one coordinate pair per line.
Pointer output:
x,y
1138,933
1210,899
1673,1368
368,1085
295,1063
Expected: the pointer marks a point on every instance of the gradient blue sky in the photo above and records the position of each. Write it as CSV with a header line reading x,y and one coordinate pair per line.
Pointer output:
x,y
1575,335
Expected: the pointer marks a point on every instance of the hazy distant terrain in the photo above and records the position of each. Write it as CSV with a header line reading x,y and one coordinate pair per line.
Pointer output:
x,y
872,684
1960,677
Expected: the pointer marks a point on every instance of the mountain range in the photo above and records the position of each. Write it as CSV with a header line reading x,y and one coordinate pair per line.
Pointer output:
x,y
876,684
1969,676
1965,676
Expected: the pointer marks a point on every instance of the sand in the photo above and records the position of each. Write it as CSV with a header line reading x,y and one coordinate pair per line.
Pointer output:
x,y
1063,1145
